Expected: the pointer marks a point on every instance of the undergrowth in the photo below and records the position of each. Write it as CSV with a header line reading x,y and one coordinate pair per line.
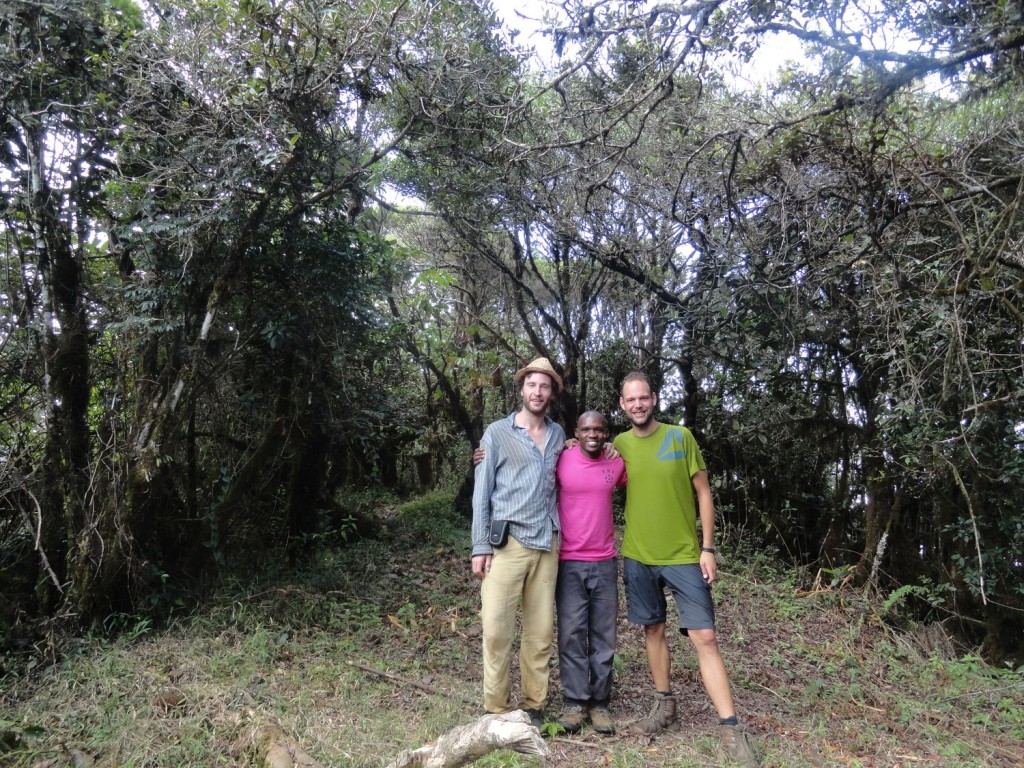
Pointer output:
x,y
375,647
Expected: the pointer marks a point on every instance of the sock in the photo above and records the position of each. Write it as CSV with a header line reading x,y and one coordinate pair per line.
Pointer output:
x,y
728,720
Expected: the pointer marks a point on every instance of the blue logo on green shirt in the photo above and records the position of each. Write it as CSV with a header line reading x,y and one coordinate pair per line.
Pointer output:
x,y
672,447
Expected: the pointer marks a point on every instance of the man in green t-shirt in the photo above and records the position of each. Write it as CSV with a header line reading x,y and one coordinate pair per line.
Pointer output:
x,y
667,487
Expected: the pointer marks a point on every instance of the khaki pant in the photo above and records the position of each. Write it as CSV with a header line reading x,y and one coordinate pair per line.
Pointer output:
x,y
519,577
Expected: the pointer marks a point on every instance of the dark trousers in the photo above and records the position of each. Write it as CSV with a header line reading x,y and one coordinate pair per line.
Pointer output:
x,y
587,598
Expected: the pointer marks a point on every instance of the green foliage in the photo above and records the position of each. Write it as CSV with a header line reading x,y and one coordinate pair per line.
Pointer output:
x,y
234,281
212,333
128,628
933,595
428,520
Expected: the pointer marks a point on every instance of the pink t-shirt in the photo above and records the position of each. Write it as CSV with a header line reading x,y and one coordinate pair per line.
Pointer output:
x,y
585,488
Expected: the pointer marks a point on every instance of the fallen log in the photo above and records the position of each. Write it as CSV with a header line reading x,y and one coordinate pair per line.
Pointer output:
x,y
467,743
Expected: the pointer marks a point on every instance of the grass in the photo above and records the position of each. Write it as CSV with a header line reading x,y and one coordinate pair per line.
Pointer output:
x,y
820,679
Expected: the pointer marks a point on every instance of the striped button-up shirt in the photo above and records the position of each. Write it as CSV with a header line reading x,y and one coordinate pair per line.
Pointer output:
x,y
516,482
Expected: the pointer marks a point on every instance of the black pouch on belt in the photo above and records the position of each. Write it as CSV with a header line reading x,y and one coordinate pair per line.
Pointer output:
x,y
499,533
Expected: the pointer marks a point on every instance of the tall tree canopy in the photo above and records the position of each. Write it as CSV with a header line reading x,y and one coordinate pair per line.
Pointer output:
x,y
191,344
217,318
823,273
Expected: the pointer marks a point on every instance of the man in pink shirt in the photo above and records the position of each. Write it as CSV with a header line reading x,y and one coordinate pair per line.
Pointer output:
x,y
587,594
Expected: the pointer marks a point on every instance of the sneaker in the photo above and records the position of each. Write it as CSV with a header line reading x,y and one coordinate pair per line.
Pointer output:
x,y
662,715
572,718
735,746
536,717
601,719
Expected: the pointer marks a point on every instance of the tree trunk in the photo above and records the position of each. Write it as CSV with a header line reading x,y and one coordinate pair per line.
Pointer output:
x,y
878,515
67,540
424,471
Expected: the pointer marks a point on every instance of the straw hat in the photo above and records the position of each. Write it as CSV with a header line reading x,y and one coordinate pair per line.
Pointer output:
x,y
540,365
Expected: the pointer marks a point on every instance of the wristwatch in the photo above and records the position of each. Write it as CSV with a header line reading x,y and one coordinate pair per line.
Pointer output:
x,y
712,550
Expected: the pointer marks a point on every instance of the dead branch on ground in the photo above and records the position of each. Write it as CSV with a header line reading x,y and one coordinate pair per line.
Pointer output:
x,y
466,743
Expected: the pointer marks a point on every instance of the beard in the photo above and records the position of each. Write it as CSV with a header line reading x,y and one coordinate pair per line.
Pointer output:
x,y
641,421
538,409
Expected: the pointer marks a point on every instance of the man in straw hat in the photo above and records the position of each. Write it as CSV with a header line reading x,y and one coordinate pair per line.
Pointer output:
x,y
515,488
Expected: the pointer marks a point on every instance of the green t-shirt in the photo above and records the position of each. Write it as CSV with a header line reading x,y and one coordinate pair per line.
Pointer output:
x,y
661,509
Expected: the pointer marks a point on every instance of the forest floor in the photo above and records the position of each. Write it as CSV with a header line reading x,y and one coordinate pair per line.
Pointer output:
x,y
374,648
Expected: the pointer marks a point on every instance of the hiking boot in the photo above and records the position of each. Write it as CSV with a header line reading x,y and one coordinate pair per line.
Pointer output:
x,y
572,718
536,717
663,714
601,719
735,746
